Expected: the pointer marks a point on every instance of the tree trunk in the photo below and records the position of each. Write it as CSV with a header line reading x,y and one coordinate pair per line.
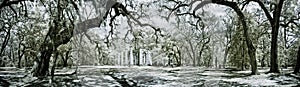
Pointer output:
x,y
43,61
251,48
26,59
20,55
274,57
179,58
193,55
262,62
225,57
297,67
209,61
202,49
43,64
190,55
50,45
194,62
216,62
1,64
274,21
63,59
169,61
54,64
19,61
66,59
3,45
47,47
253,61
275,27
243,56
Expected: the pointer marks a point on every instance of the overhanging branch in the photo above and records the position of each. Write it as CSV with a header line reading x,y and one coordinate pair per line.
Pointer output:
x,y
9,3
263,7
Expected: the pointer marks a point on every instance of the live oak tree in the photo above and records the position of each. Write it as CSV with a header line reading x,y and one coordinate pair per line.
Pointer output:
x,y
242,18
237,49
60,32
273,15
13,22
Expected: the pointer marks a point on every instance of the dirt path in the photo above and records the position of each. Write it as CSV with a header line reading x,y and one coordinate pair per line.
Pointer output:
x,y
148,76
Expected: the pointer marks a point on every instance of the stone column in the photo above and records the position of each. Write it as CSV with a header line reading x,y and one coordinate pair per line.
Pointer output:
x,y
121,59
116,60
126,58
141,57
131,56
149,58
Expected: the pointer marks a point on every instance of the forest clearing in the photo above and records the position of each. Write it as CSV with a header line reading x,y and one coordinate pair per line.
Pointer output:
x,y
149,43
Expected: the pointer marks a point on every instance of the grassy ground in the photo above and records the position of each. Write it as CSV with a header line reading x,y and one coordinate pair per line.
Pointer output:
x,y
149,76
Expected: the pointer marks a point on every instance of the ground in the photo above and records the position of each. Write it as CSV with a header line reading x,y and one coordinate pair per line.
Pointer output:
x,y
150,76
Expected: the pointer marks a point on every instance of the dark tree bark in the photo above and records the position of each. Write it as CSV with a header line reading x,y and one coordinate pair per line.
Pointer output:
x,y
54,65
275,27
262,62
180,58
53,39
3,46
48,48
26,59
225,55
43,60
169,60
274,21
5,3
190,55
20,55
66,59
5,42
177,56
201,50
297,66
193,54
